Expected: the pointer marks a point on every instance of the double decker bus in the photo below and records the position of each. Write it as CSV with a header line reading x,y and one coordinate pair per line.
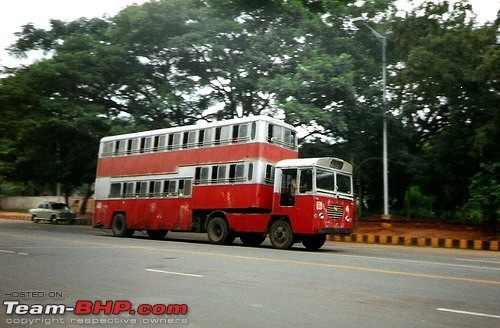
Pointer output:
x,y
238,178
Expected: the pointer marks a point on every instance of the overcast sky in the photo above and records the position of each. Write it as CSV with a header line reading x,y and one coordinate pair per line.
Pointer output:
x,y
15,13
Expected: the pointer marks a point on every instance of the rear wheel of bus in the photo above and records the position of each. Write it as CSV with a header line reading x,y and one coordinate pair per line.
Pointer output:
x,y
119,226
281,234
218,231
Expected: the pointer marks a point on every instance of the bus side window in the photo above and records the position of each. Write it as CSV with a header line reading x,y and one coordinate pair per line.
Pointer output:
x,y
130,189
165,188
187,187
221,174
204,174
191,140
115,190
269,178
305,181
288,187
161,142
172,187
177,141
197,175
225,135
208,137
157,189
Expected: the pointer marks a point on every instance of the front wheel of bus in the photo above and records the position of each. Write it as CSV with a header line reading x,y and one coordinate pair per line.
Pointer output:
x,y
281,234
313,242
119,226
218,232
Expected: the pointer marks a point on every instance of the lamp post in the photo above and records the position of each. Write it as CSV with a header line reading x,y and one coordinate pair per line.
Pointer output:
x,y
362,22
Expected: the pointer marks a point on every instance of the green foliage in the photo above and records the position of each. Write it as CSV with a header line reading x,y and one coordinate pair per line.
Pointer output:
x,y
418,205
484,203
173,62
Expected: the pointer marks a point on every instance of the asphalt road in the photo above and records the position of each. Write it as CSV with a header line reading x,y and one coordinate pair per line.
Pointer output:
x,y
342,285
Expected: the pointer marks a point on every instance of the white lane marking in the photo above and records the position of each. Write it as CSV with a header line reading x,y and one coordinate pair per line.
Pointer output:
x,y
470,313
420,262
176,273
482,261
12,252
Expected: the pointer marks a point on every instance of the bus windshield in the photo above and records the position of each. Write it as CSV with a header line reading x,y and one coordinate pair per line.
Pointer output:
x,y
325,181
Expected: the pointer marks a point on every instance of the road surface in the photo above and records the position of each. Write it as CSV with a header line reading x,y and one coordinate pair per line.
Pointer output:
x,y
342,285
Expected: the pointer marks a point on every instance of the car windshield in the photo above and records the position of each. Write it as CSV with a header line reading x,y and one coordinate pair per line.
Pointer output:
x,y
59,206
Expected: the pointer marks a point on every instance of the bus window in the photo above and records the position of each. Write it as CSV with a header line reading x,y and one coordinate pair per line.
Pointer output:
x,y
165,188
122,145
225,134
172,187
204,174
243,132
306,180
130,189
129,147
191,142
288,187
240,172
325,180
221,174
108,148
250,172
208,137
115,190
157,188
269,178
187,188
161,142
253,131
143,189
343,183
177,141
135,145
215,170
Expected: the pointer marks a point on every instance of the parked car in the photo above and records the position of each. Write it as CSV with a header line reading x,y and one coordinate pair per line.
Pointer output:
x,y
53,212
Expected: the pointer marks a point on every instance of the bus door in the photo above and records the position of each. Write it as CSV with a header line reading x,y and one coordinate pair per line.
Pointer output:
x,y
289,185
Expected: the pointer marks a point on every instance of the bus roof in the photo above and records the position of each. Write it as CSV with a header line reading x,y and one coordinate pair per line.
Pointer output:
x,y
199,125
328,162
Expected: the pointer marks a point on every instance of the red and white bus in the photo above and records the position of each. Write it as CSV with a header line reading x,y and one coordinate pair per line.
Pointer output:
x,y
234,178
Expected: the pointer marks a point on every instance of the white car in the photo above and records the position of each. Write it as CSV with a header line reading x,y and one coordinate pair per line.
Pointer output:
x,y
53,212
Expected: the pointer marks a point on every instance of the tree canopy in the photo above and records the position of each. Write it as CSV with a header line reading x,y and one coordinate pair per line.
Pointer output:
x,y
173,62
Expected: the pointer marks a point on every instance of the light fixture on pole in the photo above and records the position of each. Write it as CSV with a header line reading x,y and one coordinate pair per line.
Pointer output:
x,y
358,22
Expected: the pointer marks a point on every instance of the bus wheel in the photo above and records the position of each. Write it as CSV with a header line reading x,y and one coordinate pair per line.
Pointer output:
x,y
252,239
157,234
281,234
218,232
119,226
313,242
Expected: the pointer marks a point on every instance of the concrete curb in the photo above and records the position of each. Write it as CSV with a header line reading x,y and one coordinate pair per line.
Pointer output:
x,y
485,245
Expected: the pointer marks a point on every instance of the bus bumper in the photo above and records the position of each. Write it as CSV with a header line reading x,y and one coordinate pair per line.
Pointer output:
x,y
335,231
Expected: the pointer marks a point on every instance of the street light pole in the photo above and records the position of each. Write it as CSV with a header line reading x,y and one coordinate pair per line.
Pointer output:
x,y
362,22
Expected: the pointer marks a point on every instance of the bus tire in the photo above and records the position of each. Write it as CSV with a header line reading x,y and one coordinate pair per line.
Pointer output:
x,y
313,242
281,234
119,226
252,239
157,234
218,231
